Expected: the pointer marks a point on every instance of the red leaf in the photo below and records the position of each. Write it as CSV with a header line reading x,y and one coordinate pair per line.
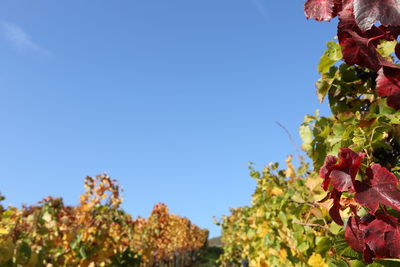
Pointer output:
x,y
347,23
367,12
359,47
382,236
354,236
334,210
379,175
361,51
388,84
341,181
350,160
337,7
383,189
319,9
375,236
388,81
326,169
342,174
342,177
394,101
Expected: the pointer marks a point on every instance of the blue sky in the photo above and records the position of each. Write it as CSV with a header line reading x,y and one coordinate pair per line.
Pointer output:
x,y
172,98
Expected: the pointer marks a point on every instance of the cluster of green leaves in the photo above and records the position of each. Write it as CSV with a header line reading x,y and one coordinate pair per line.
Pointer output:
x,y
288,221
97,232
285,225
361,120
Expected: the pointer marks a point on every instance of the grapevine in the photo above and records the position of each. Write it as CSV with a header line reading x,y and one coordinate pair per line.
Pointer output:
x,y
97,232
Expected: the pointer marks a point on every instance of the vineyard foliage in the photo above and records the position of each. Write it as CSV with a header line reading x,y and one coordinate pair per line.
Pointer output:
x,y
97,232
344,209
285,225
340,207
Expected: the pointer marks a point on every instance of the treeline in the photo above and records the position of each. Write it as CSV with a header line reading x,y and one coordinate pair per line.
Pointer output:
x,y
97,232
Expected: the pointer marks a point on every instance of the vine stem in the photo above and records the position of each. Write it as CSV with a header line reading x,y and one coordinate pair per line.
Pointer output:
x,y
374,38
311,204
290,137
312,225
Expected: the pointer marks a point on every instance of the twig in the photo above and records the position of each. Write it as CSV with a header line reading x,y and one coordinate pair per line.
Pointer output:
x,y
312,225
290,137
311,204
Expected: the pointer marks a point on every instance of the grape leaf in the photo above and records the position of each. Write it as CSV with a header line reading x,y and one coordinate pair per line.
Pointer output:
x,y
375,236
334,210
382,236
359,50
388,84
332,54
342,177
394,101
383,189
324,84
326,169
319,9
354,236
360,47
367,12
341,180
386,48
342,174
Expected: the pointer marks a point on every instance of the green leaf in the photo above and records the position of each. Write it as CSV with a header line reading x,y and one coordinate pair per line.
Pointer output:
x,y
323,245
82,252
357,263
385,48
350,253
332,54
303,247
251,233
76,241
384,109
375,264
389,262
23,253
307,137
338,263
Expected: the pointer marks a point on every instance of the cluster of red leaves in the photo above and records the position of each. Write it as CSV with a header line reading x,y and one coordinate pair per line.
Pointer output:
x,y
359,37
376,235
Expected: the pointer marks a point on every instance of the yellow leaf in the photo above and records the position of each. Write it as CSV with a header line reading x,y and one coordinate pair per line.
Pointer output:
x,y
276,191
290,172
260,213
283,255
316,261
47,217
3,231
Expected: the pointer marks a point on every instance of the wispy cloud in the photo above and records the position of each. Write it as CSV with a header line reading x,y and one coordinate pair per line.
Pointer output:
x,y
20,39
261,8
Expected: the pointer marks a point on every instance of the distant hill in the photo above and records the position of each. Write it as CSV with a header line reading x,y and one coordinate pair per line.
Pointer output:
x,y
209,255
215,242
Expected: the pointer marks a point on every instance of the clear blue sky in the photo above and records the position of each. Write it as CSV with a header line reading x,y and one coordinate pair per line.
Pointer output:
x,y
172,98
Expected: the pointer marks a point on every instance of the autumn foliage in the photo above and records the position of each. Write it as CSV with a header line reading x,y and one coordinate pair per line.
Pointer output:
x,y
355,154
340,207
359,37
97,232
